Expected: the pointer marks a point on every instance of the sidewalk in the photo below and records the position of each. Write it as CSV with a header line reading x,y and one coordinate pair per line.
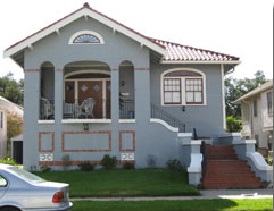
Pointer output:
x,y
205,195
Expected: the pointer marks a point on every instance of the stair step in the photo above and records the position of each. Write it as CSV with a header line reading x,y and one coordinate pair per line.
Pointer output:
x,y
224,170
228,186
231,180
231,174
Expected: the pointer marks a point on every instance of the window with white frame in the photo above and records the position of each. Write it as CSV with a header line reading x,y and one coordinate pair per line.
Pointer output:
x,y
181,87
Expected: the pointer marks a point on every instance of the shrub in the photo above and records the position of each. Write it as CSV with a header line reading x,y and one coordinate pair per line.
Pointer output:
x,y
66,161
109,163
86,166
233,124
128,165
173,164
45,168
8,161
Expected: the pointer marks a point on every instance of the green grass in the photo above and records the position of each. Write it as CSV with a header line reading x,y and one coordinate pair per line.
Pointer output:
x,y
141,182
193,205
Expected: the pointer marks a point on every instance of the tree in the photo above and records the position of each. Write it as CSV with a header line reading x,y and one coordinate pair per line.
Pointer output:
x,y
11,89
235,88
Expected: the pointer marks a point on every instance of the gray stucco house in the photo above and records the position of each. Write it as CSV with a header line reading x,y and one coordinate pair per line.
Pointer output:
x,y
94,86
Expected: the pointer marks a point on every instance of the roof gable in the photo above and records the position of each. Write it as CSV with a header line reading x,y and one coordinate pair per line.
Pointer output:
x,y
162,51
87,12
260,89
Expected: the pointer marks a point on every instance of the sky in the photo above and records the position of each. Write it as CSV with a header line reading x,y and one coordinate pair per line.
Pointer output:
x,y
241,28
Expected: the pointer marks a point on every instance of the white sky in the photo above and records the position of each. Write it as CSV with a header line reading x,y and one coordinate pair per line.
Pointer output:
x,y
242,28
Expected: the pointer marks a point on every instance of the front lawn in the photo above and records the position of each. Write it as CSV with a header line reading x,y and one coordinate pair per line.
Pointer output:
x,y
141,182
190,205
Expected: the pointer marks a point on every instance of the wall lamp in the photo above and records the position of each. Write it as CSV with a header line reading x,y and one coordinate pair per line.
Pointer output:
x,y
85,126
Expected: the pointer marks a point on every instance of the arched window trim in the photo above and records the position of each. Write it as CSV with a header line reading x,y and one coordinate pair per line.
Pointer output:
x,y
182,80
86,32
91,71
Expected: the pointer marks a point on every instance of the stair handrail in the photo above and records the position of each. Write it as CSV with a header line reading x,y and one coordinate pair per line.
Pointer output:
x,y
159,113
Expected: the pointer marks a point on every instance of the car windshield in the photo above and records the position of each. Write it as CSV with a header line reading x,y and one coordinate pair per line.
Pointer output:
x,y
29,177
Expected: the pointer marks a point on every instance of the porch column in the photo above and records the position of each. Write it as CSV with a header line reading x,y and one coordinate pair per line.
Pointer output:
x,y
31,117
59,94
114,99
142,95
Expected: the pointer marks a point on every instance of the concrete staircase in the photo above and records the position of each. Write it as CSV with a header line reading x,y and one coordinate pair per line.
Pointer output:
x,y
223,170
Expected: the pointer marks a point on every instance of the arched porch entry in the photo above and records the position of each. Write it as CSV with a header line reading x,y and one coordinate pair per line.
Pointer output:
x,y
87,90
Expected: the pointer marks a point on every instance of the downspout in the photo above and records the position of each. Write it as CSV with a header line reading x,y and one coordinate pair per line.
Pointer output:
x,y
223,95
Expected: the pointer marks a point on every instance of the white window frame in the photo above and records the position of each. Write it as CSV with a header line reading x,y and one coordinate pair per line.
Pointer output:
x,y
183,91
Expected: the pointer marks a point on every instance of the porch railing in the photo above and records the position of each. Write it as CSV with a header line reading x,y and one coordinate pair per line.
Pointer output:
x,y
47,109
126,109
101,109
159,113
97,109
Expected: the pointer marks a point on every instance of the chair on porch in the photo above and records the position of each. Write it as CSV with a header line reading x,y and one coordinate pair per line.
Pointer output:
x,y
86,108
47,109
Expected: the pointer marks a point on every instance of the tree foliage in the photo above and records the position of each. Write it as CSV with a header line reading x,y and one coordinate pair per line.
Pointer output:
x,y
235,88
14,124
11,89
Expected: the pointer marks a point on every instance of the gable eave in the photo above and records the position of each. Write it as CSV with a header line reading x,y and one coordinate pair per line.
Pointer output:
x,y
83,12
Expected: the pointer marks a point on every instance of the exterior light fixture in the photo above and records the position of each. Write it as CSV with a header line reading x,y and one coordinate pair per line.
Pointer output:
x,y
86,126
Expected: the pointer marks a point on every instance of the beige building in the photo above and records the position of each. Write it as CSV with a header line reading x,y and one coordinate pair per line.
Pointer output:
x,y
5,108
257,115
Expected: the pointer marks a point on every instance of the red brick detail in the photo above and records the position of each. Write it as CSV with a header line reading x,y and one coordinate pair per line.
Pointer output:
x,y
52,141
77,162
121,132
31,70
108,132
142,68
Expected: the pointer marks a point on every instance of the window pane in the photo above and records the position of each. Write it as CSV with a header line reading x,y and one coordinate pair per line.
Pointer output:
x,y
189,97
198,97
168,97
176,97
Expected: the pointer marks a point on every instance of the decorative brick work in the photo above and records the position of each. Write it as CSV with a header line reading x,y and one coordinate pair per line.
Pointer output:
x,y
105,132
31,70
121,141
41,134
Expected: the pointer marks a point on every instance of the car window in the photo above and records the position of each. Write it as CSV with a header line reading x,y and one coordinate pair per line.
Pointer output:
x,y
29,177
3,182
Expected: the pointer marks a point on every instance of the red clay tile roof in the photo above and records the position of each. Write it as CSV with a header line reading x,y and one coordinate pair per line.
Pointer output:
x,y
179,52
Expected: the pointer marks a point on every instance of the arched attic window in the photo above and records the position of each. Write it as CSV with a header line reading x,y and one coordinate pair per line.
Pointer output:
x,y
86,37
183,86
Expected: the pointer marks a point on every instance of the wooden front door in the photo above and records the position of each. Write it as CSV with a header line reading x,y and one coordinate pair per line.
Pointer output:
x,y
92,89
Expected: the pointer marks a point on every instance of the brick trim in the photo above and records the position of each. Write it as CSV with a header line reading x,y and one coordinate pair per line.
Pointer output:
x,y
121,132
108,132
32,70
142,68
52,141
76,162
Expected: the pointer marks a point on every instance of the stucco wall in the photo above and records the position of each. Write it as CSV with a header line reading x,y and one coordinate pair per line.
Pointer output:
x,y
208,119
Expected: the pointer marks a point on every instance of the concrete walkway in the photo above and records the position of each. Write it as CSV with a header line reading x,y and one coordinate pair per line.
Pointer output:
x,y
205,195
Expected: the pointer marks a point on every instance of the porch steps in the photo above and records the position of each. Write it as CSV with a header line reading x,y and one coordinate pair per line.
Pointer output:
x,y
224,170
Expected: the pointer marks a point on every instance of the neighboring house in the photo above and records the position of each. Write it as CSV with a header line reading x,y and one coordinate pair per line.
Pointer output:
x,y
94,86
6,108
257,115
